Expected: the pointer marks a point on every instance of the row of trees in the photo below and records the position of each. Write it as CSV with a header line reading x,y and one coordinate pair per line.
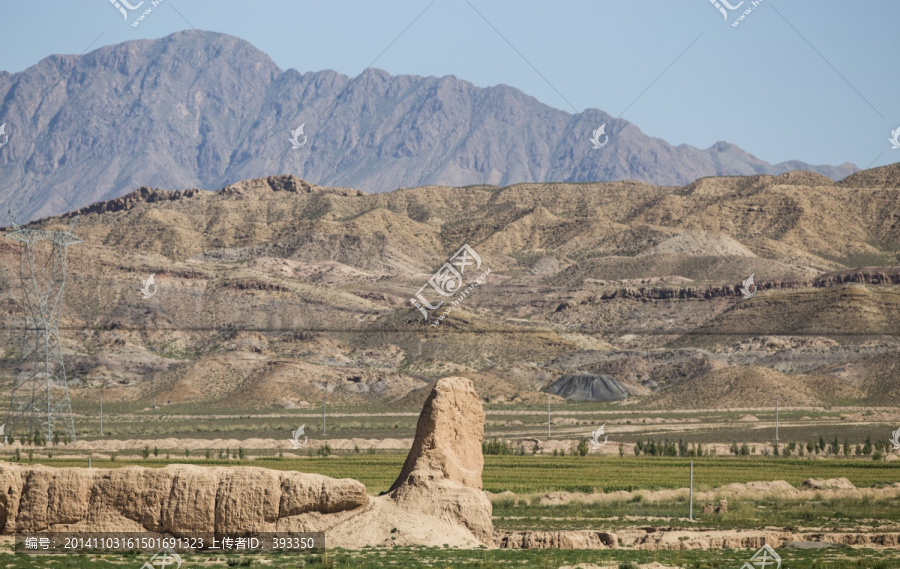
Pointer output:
x,y
223,454
834,448
681,448
669,448
40,439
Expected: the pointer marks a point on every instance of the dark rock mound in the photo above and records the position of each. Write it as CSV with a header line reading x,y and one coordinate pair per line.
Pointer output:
x,y
588,387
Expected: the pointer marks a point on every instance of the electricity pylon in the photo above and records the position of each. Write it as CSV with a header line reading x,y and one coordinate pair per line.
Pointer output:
x,y
40,392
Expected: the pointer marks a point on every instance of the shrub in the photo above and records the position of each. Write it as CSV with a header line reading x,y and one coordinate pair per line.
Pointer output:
x,y
496,446
583,447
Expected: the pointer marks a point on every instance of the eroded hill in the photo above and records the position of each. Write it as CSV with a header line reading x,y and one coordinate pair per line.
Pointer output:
x,y
274,289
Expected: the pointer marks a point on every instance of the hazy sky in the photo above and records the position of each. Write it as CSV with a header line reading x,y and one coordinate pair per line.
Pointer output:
x,y
813,81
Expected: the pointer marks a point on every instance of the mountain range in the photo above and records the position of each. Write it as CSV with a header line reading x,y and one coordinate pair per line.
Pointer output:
x,y
273,289
205,110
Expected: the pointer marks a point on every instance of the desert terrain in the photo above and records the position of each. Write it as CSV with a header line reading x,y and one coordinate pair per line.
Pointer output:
x,y
279,303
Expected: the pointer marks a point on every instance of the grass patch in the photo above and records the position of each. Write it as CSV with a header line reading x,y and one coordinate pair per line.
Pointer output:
x,y
532,474
437,558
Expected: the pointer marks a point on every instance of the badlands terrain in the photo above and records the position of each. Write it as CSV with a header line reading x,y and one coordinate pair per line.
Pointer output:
x,y
272,291
281,303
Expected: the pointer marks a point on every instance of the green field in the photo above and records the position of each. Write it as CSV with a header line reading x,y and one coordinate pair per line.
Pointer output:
x,y
421,558
530,476
837,514
542,473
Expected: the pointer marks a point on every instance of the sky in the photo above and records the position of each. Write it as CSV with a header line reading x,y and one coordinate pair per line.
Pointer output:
x,y
816,82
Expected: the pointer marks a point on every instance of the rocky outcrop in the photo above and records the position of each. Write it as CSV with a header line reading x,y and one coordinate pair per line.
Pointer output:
x,y
875,276
581,539
722,508
436,500
442,473
654,539
448,437
176,499
143,194
284,183
872,275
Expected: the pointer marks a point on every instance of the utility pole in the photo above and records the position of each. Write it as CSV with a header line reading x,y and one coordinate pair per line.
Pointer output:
x,y
101,410
776,418
548,415
691,500
324,407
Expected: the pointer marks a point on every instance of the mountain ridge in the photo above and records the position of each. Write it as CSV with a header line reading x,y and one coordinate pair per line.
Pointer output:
x,y
173,113
269,286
